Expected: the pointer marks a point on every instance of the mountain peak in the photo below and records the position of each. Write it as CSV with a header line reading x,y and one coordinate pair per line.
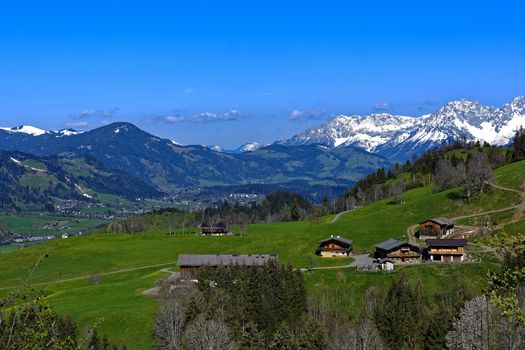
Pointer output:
x,y
518,102
25,129
121,128
402,136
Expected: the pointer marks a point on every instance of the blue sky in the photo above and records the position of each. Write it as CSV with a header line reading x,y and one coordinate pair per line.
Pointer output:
x,y
228,72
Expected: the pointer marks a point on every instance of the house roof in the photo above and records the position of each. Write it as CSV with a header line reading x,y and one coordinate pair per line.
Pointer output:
x,y
385,260
219,224
446,242
196,260
390,244
337,239
441,221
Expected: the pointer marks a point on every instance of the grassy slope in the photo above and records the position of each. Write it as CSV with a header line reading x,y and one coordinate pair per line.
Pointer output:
x,y
127,315
32,224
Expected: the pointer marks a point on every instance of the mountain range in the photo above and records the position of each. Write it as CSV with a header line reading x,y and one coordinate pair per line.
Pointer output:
x,y
321,160
400,137
169,167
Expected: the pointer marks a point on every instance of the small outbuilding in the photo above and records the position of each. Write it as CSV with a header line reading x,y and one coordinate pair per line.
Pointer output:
x,y
191,263
436,228
335,246
214,229
386,264
446,250
397,251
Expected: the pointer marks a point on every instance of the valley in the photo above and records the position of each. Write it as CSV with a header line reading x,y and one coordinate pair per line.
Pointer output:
x,y
130,264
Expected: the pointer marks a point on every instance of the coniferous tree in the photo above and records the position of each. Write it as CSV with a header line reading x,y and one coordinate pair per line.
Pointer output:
x,y
519,145
402,302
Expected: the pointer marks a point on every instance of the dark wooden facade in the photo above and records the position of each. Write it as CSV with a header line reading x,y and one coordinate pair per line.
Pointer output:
x,y
190,264
446,250
397,251
217,229
436,228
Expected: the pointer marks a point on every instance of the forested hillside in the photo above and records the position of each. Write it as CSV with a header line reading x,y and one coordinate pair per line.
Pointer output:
x,y
169,167
33,183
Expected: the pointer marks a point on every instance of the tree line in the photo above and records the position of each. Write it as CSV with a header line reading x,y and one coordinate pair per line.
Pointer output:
x,y
278,206
239,307
462,164
266,307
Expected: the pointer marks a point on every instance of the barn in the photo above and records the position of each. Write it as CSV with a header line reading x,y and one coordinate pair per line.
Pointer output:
x,y
436,228
191,263
446,250
335,246
397,251
214,229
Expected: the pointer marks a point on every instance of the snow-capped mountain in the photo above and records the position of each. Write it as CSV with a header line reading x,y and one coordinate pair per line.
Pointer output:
x,y
34,131
66,132
247,147
215,148
399,137
25,129
250,146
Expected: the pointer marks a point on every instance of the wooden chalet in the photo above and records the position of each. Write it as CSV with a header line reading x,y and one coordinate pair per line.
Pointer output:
x,y
436,228
446,250
335,246
191,263
217,229
397,251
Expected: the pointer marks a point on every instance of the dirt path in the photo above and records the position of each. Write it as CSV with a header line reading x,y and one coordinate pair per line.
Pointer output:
x,y
338,215
411,230
487,212
506,188
411,233
88,276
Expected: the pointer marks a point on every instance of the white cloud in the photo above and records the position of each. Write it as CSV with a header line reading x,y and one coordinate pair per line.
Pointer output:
x,y
304,115
381,106
206,117
77,124
87,113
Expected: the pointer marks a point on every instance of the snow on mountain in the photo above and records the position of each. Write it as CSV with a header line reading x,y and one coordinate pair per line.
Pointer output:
x,y
397,136
34,131
67,132
215,148
246,147
250,146
25,129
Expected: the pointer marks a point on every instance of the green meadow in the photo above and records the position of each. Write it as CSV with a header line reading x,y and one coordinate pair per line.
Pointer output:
x,y
119,308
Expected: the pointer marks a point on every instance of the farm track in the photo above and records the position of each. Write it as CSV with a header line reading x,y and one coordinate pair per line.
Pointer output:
x,y
412,229
338,215
88,276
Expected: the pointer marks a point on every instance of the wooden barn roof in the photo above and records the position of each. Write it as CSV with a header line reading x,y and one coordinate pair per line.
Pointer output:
x,y
337,239
390,244
440,221
219,224
197,260
446,242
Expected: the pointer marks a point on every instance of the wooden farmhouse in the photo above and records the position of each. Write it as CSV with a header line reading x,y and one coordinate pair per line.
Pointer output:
x,y
446,250
397,251
217,229
436,228
335,246
191,263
